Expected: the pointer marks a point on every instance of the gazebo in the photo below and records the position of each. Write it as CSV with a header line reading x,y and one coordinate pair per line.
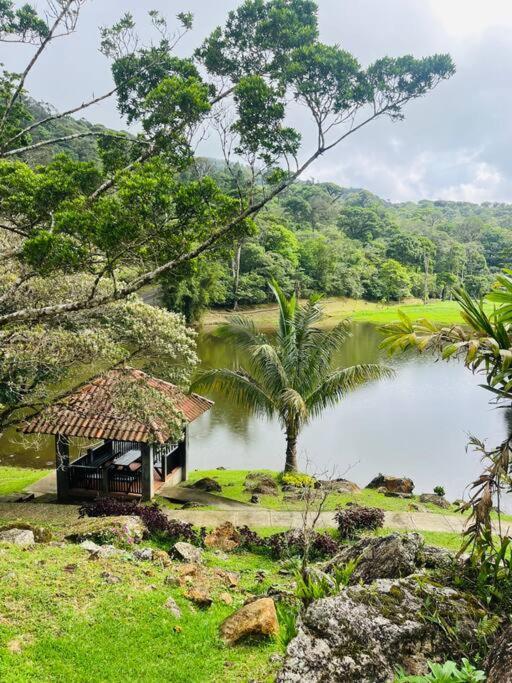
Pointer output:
x,y
127,457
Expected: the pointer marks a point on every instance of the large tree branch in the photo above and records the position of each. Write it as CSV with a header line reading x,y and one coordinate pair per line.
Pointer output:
x,y
65,138
55,117
44,44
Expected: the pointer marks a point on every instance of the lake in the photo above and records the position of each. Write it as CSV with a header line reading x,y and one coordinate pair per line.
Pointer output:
x,y
415,425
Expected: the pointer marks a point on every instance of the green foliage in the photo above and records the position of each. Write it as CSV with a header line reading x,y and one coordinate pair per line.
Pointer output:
x,y
439,490
449,672
287,616
314,585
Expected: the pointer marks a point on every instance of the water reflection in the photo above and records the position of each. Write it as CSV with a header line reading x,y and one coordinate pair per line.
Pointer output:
x,y
416,425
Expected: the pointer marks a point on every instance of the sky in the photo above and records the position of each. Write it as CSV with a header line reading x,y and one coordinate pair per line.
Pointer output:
x,y
455,143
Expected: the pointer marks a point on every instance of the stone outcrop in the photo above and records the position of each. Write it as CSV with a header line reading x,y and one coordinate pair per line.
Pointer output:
x,y
433,498
187,552
499,660
123,530
256,618
207,484
262,483
363,634
396,484
23,538
41,534
339,485
389,557
224,537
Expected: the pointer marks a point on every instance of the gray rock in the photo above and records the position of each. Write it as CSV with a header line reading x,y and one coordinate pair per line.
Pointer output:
x,y
90,546
188,552
145,554
366,632
433,498
23,538
339,485
255,499
173,608
385,557
110,578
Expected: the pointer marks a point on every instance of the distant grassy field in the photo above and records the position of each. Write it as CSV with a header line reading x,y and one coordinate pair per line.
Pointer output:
x,y
337,309
15,479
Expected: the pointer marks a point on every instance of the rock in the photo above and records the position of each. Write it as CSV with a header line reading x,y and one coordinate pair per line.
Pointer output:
x,y
90,546
339,485
162,558
110,578
100,552
398,484
385,557
145,554
499,659
187,552
41,534
224,537
363,634
262,483
229,579
255,499
171,580
433,498
256,618
23,538
191,504
124,530
226,598
432,557
207,484
199,596
173,608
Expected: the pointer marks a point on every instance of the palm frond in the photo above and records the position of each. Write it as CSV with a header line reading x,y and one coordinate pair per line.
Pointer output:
x,y
241,331
237,386
267,367
287,309
341,382
292,406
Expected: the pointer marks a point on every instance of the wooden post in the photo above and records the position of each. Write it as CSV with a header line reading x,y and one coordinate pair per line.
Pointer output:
x,y
184,455
147,471
164,458
62,466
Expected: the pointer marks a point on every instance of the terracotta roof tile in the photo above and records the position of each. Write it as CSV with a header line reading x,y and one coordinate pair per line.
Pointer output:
x,y
88,412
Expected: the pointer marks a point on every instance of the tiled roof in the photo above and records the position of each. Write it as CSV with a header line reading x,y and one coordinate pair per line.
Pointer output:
x,y
88,412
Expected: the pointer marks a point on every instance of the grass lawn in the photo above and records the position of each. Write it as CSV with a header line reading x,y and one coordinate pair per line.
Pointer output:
x,y
15,479
337,309
232,482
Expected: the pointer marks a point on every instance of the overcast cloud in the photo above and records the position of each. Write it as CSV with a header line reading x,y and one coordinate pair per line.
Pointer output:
x,y
454,144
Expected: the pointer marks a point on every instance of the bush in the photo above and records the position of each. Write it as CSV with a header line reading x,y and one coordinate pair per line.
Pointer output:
x,y
439,491
352,521
297,479
294,542
449,672
156,521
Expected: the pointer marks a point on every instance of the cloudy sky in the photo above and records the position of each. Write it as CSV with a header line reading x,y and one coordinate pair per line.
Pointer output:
x,y
454,144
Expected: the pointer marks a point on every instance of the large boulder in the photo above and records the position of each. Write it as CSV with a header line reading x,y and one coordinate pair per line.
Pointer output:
x,y
256,618
433,498
395,484
262,483
41,534
339,485
366,632
187,552
23,538
120,531
224,537
207,484
499,660
388,557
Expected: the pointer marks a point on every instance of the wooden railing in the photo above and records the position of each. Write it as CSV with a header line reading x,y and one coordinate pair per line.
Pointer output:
x,y
125,482
85,477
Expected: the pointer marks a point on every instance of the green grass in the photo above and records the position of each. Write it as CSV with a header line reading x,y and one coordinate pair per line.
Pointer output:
x,y
15,479
232,482
58,625
337,309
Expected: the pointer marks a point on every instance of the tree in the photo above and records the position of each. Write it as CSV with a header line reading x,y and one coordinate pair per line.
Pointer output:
x,y
137,211
291,376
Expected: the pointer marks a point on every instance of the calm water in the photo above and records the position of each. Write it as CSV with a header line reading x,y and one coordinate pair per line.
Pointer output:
x,y
415,425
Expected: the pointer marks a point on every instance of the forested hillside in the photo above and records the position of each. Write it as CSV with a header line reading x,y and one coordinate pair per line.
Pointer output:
x,y
319,237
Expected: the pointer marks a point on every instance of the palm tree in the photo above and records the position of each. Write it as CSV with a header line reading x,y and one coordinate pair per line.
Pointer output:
x,y
289,375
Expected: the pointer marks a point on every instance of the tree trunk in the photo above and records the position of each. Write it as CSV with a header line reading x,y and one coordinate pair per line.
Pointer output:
x,y
291,452
235,268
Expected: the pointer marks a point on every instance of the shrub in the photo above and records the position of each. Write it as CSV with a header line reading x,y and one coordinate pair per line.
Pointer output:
x,y
156,521
449,672
313,584
294,542
352,521
287,617
297,479
439,491
249,539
